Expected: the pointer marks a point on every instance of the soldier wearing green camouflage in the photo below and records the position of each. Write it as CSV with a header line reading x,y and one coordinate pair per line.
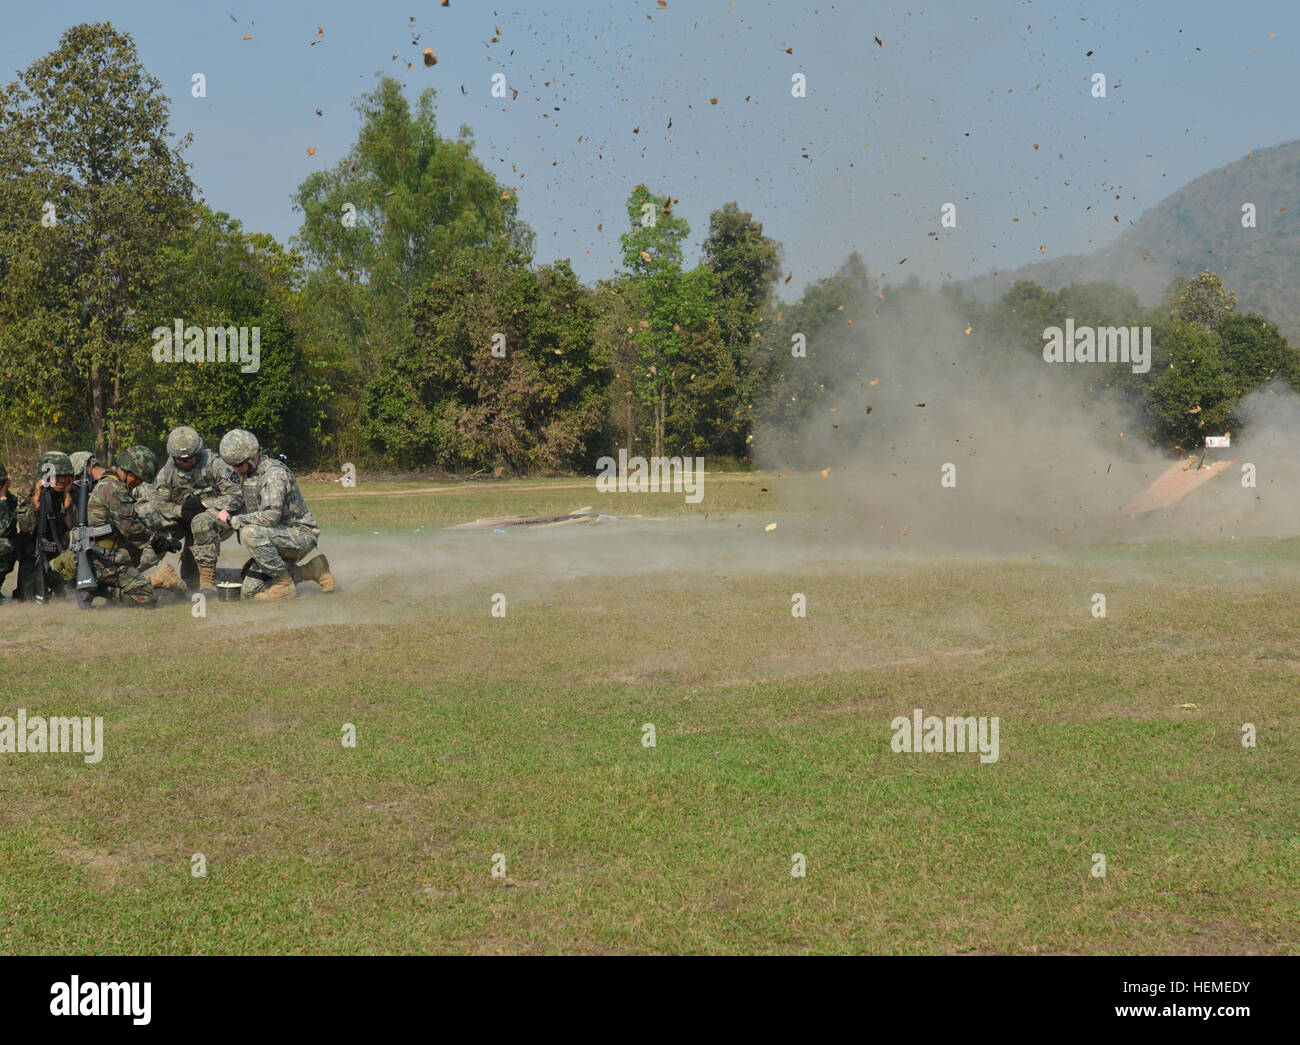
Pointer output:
x,y
54,472
192,487
53,482
119,534
8,528
275,526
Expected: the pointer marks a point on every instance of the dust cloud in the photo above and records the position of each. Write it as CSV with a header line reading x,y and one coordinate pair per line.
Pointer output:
x,y
1043,455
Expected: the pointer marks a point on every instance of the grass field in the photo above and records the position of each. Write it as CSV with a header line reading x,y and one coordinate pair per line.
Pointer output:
x,y
522,735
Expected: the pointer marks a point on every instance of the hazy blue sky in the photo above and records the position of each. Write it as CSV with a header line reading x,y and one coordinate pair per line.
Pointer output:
x,y
947,108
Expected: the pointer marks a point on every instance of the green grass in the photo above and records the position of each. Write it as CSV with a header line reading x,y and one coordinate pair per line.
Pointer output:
x,y
522,735
399,506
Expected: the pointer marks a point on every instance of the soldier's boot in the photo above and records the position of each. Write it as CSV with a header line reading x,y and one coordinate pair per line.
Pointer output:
x,y
318,570
207,576
282,587
166,578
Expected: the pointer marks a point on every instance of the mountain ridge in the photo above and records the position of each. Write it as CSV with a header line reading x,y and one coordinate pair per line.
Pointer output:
x,y
1196,227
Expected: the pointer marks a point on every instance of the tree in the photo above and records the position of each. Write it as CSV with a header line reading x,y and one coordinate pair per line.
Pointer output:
x,y
499,370
1202,300
391,215
94,193
795,388
1100,304
745,264
709,410
1255,352
670,301
716,407
615,339
219,277
1027,310
1193,397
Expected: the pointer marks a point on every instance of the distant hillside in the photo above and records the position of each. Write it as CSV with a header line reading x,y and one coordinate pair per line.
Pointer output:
x,y
1196,228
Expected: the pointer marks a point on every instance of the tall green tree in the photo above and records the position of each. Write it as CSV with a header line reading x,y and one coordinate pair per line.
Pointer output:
x,y
717,404
94,191
390,216
670,301
745,264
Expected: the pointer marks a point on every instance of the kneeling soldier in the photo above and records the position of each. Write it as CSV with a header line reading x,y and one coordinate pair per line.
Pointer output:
x,y
118,533
192,487
275,526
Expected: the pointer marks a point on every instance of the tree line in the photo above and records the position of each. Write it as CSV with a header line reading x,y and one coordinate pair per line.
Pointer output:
x,y
408,326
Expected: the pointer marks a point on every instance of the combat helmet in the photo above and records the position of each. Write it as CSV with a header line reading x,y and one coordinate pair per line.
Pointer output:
x,y
61,463
82,460
238,446
183,442
138,460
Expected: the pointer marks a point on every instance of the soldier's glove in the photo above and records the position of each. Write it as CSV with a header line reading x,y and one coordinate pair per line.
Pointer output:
x,y
47,546
65,565
162,544
190,507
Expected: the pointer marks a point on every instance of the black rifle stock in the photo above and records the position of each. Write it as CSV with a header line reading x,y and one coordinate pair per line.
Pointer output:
x,y
82,541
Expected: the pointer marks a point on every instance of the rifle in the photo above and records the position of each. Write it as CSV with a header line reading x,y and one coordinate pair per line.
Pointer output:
x,y
83,537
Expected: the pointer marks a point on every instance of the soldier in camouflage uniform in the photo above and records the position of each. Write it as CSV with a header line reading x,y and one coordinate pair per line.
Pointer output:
x,y
8,528
192,487
146,508
120,535
275,526
53,480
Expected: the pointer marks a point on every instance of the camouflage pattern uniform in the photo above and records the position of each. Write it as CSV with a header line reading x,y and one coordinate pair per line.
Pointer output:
x,y
8,530
148,507
276,527
28,511
27,516
159,506
110,503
